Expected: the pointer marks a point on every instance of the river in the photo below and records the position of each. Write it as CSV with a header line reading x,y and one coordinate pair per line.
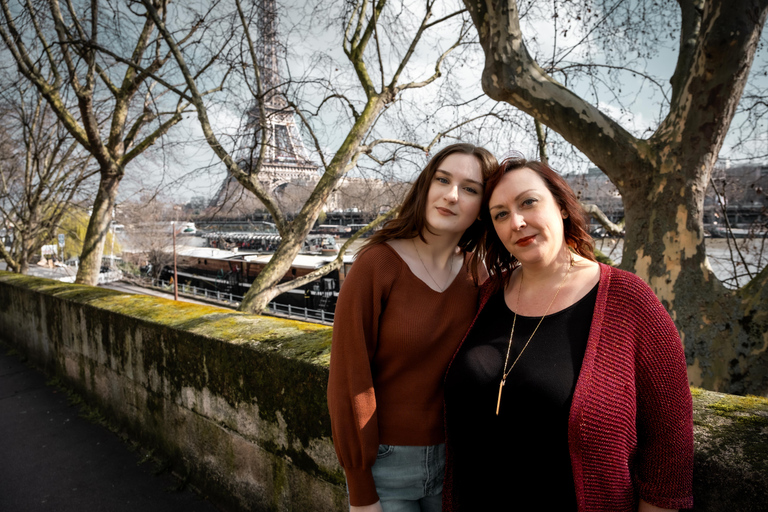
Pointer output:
x,y
722,254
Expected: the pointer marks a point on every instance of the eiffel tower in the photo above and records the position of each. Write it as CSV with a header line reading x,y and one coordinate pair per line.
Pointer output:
x,y
285,159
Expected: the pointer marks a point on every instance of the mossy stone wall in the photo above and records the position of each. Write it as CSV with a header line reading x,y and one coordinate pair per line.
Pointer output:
x,y
238,401
235,401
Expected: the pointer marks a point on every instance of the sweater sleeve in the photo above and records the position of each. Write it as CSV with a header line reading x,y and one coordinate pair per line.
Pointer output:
x,y
351,397
664,465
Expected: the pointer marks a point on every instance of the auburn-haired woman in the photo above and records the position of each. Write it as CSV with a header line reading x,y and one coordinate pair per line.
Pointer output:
x,y
570,390
402,311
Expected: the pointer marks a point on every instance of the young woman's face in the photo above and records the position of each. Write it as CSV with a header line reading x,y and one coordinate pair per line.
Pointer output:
x,y
527,218
455,194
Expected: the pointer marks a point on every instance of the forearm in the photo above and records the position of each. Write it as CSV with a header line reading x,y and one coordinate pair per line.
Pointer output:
x,y
376,507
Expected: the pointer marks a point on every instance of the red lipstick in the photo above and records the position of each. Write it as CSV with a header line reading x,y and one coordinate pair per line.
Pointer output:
x,y
525,241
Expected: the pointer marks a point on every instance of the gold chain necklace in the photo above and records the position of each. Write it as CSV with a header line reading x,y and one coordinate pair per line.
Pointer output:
x,y
439,288
506,372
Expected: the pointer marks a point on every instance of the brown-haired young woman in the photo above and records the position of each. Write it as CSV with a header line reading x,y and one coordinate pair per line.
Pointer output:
x,y
572,378
407,301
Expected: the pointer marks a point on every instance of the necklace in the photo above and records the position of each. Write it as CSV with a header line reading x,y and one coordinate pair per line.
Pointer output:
x,y
441,289
506,372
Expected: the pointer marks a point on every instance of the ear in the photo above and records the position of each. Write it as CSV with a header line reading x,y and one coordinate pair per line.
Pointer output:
x,y
564,214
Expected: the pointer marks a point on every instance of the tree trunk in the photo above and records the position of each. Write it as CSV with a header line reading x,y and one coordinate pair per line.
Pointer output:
x,y
263,286
98,227
262,289
662,180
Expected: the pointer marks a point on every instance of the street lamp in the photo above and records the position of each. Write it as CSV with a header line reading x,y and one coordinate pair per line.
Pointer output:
x,y
176,209
175,276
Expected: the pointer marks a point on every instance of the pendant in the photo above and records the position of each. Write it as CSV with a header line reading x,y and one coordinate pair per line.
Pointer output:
x,y
498,401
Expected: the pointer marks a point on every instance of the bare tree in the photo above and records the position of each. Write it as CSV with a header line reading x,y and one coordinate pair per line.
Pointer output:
x,y
663,175
41,172
99,69
382,79
148,220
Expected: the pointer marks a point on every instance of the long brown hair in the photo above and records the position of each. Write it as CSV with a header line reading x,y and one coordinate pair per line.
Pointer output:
x,y
411,220
497,258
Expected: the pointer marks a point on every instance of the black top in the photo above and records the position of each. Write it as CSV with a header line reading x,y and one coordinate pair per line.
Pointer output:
x,y
503,462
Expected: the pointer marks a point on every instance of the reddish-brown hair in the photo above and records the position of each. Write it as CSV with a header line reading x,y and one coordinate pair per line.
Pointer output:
x,y
411,219
497,258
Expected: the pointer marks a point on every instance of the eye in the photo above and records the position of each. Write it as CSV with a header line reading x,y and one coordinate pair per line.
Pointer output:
x,y
530,201
472,190
499,216
441,179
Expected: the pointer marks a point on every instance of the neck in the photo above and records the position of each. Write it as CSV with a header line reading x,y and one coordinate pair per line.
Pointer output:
x,y
546,271
439,249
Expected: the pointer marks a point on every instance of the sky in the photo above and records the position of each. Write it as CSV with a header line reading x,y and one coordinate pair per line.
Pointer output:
x,y
310,32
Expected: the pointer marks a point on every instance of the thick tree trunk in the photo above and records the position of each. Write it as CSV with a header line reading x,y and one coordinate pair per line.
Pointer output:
x,y
98,227
662,180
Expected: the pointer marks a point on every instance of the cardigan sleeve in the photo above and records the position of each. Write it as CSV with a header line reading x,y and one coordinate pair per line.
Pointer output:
x,y
664,465
351,397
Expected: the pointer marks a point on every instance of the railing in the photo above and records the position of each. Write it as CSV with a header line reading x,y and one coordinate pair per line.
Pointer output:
x,y
274,308
314,315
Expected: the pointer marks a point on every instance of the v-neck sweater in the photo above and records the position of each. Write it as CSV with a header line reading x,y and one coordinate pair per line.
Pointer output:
x,y
630,426
393,337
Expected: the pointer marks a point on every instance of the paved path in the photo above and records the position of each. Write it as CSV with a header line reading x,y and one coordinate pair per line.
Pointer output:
x,y
53,460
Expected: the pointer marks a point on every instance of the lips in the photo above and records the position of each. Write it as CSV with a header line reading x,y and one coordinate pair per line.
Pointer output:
x,y
527,240
445,211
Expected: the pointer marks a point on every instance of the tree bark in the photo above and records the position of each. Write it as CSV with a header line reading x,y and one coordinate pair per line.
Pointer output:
x,y
98,226
662,180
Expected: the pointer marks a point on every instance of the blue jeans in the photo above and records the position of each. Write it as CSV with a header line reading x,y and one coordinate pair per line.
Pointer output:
x,y
410,478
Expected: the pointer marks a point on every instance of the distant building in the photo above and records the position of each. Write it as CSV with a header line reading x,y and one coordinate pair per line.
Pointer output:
x,y
742,191
594,187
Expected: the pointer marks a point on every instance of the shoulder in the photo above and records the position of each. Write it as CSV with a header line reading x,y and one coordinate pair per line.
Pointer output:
x,y
630,301
376,266
621,282
379,256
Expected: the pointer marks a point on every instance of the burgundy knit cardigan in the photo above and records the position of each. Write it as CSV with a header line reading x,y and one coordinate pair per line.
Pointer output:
x,y
630,430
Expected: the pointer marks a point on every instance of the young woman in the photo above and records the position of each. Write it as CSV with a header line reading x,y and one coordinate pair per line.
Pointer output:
x,y
404,306
572,378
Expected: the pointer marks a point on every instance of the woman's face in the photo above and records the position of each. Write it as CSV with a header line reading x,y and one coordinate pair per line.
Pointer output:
x,y
526,217
455,194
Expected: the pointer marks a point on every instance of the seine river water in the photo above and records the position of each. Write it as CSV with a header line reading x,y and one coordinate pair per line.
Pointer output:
x,y
722,254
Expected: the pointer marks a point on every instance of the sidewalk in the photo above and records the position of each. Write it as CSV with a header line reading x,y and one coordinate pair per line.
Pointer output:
x,y
55,461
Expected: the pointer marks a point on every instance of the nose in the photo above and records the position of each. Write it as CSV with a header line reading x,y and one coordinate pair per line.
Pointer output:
x,y
517,221
452,195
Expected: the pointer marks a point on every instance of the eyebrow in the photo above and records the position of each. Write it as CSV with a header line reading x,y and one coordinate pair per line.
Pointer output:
x,y
468,179
517,197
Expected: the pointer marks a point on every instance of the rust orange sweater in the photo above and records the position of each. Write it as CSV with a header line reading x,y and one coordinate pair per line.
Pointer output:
x,y
393,337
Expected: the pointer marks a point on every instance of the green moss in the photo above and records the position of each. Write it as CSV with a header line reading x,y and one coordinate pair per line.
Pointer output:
x,y
736,429
748,410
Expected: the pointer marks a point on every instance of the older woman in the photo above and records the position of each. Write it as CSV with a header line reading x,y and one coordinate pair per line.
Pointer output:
x,y
570,390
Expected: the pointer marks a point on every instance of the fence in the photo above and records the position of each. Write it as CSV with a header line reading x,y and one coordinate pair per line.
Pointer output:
x,y
274,308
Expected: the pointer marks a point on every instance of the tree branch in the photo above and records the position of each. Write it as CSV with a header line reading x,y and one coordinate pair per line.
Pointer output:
x,y
247,181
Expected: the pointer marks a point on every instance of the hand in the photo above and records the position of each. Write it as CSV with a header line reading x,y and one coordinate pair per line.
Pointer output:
x,y
647,507
376,507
